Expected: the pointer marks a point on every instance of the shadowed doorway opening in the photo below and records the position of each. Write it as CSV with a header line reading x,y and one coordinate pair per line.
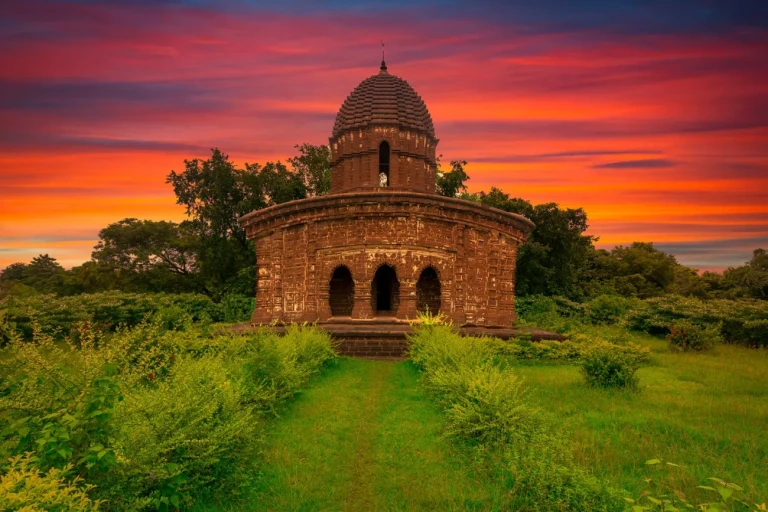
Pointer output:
x,y
385,291
428,292
341,293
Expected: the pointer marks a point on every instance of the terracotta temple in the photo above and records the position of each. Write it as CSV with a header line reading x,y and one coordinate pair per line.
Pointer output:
x,y
383,245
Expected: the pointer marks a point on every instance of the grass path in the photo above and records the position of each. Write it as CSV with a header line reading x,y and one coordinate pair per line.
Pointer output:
x,y
363,437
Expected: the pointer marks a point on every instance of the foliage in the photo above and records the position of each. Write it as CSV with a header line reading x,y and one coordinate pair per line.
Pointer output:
x,y
313,166
610,367
452,183
607,309
157,417
551,261
486,405
25,488
577,348
751,279
684,336
727,496
141,255
60,316
738,321
743,321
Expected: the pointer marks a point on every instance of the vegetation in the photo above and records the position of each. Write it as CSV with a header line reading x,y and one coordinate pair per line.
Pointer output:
x,y
209,252
118,393
142,419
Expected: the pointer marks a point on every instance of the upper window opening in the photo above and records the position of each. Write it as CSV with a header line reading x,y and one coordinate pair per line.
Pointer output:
x,y
384,164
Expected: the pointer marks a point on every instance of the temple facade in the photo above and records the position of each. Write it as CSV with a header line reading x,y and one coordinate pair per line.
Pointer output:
x,y
383,245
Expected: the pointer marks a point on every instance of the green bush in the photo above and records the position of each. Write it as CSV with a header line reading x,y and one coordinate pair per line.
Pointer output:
x,y
607,366
723,496
487,407
607,309
738,321
685,336
572,350
156,417
58,316
190,422
25,488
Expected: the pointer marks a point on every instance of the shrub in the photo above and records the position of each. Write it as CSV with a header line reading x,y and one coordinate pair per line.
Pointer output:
x,y
685,336
572,350
727,496
607,309
486,405
25,488
109,310
64,417
607,366
156,417
189,423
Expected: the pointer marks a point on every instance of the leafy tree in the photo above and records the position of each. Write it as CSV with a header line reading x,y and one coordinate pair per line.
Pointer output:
x,y
313,167
751,279
452,183
216,193
145,255
44,274
556,253
644,271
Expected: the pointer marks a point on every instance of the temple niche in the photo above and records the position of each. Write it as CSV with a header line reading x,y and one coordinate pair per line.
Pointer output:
x,y
383,245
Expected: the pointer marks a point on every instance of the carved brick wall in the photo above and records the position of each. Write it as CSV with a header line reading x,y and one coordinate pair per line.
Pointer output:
x,y
355,159
300,244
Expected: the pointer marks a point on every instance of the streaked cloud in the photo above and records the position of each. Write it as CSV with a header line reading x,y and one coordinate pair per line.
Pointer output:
x,y
99,100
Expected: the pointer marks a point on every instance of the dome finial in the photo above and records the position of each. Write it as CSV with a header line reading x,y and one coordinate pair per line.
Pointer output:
x,y
383,64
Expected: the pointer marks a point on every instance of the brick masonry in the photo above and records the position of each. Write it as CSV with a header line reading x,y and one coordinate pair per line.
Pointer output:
x,y
300,245
383,245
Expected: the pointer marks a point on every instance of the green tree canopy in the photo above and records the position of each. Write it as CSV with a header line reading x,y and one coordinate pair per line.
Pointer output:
x,y
552,260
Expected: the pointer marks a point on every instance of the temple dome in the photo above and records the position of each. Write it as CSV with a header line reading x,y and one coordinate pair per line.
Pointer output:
x,y
384,99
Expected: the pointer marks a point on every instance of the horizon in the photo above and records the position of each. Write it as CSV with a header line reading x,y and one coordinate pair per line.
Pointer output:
x,y
654,120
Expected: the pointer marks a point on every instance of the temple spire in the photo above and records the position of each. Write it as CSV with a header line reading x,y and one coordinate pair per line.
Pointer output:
x,y
383,64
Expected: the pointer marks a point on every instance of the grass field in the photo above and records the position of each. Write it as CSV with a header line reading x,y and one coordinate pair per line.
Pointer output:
x,y
706,412
365,437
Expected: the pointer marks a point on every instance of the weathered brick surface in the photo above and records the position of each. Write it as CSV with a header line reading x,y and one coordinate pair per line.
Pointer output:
x,y
366,251
300,245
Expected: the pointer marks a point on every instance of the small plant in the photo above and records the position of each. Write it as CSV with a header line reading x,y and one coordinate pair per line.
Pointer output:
x,y
607,367
727,496
686,336
25,488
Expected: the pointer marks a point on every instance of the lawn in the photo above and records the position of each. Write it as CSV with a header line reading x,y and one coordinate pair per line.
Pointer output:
x,y
363,437
707,412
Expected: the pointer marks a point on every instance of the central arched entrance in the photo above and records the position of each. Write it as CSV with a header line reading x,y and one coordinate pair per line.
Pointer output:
x,y
341,292
428,291
385,291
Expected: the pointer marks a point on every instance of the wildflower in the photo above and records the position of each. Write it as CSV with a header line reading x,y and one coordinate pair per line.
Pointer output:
x,y
151,376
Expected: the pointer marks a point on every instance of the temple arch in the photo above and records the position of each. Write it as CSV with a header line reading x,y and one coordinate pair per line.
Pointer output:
x,y
341,292
385,291
428,291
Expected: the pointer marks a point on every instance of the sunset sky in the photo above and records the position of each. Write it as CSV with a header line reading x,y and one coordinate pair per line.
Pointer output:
x,y
653,118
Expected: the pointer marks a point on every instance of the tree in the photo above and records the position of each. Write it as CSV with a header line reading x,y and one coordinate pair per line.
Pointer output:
x,y
452,184
216,193
750,279
557,250
145,255
44,274
313,167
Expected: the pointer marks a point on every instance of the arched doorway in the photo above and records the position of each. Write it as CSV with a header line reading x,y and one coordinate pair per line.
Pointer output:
x,y
385,291
384,164
428,291
341,292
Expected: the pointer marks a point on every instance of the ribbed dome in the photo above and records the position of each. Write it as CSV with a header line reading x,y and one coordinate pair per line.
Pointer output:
x,y
385,99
